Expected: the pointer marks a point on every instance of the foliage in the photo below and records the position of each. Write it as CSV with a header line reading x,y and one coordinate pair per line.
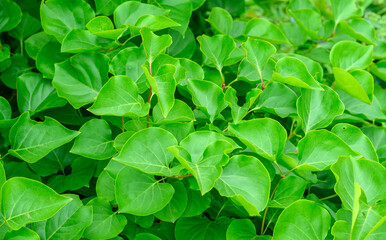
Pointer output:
x,y
192,119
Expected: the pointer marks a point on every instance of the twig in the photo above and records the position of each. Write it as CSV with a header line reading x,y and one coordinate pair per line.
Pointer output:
x,y
316,44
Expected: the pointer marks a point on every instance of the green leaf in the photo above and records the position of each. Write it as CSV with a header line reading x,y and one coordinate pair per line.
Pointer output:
x,y
344,9
351,55
208,97
82,170
48,55
31,140
220,20
136,15
80,78
254,49
22,233
102,26
94,141
246,181
294,72
359,29
263,29
5,109
303,220
28,26
264,136
277,99
153,44
318,109
106,223
241,229
321,148
238,113
368,174
146,236
59,17
35,94
25,201
180,12
119,97
19,66
146,151
36,42
68,223
355,138
203,154
217,49
80,41
11,18
197,203
107,7
140,194
180,112
200,228
176,206
289,190
163,85
308,20
356,83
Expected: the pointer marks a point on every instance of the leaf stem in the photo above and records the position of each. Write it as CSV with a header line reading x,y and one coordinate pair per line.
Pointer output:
x,y
266,209
325,198
222,208
149,97
322,41
123,124
183,176
281,172
222,78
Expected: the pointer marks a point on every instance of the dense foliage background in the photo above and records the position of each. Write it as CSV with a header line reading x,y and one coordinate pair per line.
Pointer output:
x,y
192,119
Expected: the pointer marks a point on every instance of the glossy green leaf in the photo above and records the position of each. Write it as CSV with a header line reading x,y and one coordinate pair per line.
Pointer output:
x,y
289,190
48,55
128,62
294,72
277,99
246,181
321,148
359,29
220,20
254,49
154,44
68,223
176,206
107,7
35,42
11,17
344,9
356,139
163,85
200,228
105,223
31,140
28,26
217,48
102,26
79,41
241,229
265,136
147,151
303,220
263,29
140,194
207,96
5,109
318,109
80,78
238,113
356,83
119,97
22,233
180,112
351,55
368,174
308,20
179,11
59,17
26,201
35,93
18,66
94,141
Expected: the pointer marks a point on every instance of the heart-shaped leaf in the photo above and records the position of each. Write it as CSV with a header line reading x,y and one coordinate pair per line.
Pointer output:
x,y
265,30
265,136
289,190
351,55
147,151
140,194
10,18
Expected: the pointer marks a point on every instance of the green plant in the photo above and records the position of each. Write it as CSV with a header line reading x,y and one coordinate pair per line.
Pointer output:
x,y
192,119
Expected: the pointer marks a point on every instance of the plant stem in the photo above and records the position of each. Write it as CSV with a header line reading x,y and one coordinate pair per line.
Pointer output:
x,y
316,44
266,209
183,176
281,172
261,78
222,78
325,198
149,98
222,208
123,124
